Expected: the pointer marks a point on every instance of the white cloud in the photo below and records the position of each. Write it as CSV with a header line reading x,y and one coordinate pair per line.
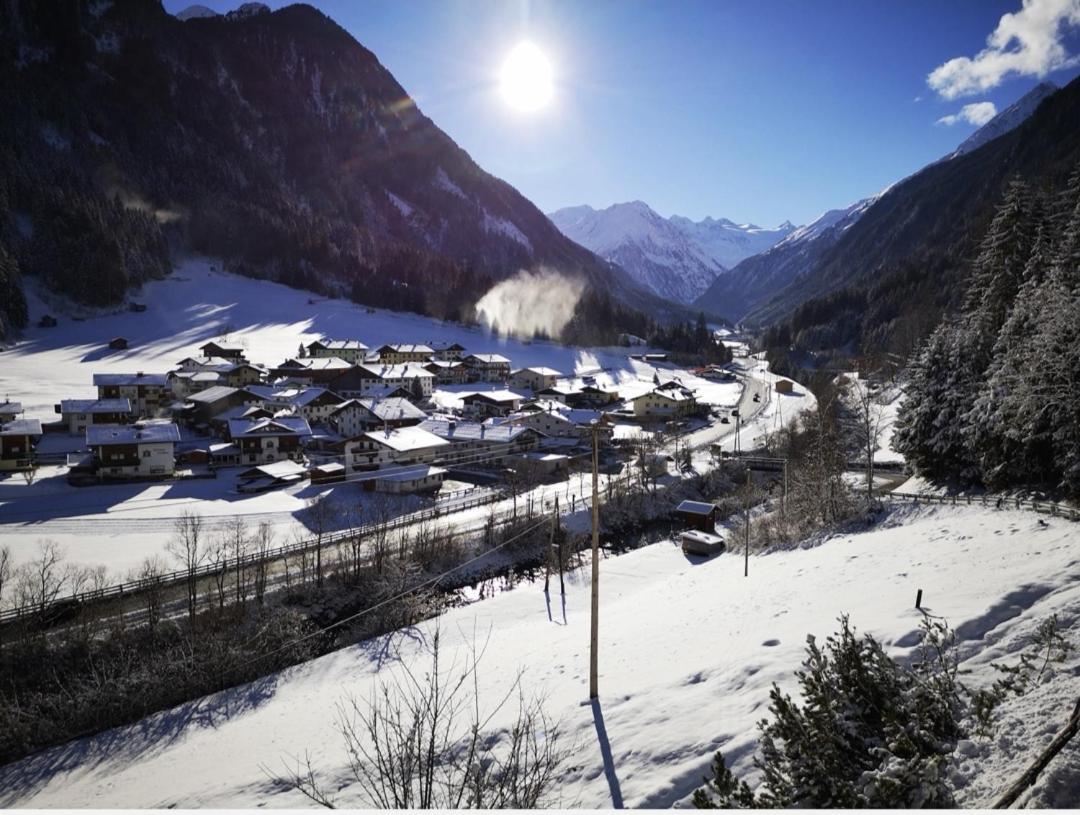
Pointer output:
x,y
1029,42
977,113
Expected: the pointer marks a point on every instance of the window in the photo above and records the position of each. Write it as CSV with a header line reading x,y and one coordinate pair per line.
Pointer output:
x,y
146,454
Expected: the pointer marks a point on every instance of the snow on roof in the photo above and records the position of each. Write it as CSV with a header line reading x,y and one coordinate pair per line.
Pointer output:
x,y
494,396
408,348
107,434
277,426
338,345
277,470
10,407
130,379
489,359
412,474
393,407
402,371
222,346
308,395
473,431
695,507
701,537
213,394
95,406
21,427
403,439
540,370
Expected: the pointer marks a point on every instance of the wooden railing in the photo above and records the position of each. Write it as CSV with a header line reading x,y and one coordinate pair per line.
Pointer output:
x,y
1042,507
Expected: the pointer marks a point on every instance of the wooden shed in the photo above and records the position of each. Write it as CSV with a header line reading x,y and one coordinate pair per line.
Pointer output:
x,y
784,386
118,343
697,514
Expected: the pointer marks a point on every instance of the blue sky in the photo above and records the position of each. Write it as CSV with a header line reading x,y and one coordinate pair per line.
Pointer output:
x,y
754,111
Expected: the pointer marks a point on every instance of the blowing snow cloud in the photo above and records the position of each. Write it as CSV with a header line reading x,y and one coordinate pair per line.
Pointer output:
x,y
531,303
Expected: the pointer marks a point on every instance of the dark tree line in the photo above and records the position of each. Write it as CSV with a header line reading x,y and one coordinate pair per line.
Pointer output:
x,y
993,392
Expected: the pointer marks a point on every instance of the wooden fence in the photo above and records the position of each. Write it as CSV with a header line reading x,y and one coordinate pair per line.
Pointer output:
x,y
1043,507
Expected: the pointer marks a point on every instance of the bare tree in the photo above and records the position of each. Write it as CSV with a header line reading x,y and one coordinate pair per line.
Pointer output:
x,y
7,568
186,547
865,415
321,517
41,579
239,538
152,572
262,544
424,741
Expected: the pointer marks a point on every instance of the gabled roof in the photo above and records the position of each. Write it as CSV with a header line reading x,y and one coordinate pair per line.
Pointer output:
x,y
103,435
411,474
393,408
489,359
402,371
278,470
404,439
213,394
338,345
474,431
407,348
11,407
222,346
95,406
539,370
277,426
130,379
499,397
21,427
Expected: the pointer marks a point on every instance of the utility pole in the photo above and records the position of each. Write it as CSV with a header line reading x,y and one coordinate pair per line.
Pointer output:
x,y
595,630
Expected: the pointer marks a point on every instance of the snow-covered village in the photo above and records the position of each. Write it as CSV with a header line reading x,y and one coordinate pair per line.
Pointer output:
x,y
444,444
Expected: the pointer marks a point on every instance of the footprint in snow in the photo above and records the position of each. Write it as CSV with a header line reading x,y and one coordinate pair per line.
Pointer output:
x,y
771,643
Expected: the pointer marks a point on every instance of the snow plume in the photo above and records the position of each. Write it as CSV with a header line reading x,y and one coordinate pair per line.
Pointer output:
x,y
977,113
531,303
1029,42
132,200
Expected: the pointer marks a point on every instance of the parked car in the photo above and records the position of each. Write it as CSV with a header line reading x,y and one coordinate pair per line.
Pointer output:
x,y
725,420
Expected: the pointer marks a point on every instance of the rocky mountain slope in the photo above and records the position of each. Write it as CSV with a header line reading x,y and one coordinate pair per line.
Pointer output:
x,y
272,140
676,258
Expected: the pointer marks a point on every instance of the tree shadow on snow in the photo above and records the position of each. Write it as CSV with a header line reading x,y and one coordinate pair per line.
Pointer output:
x,y
123,745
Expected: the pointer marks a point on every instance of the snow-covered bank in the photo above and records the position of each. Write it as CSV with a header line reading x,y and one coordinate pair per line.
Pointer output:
x,y
688,653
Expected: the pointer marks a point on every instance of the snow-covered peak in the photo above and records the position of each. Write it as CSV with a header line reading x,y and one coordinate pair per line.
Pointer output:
x,y
842,218
196,12
1009,119
248,10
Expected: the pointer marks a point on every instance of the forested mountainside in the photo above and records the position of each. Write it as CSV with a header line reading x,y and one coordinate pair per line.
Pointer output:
x,y
274,141
992,396
758,277
887,282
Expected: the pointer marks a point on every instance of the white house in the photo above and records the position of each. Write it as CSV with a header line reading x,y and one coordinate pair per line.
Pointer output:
x,y
422,478
664,404
148,394
134,451
397,446
352,351
79,414
488,367
535,379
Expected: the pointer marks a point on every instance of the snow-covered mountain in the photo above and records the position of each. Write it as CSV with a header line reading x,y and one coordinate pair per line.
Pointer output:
x,y
196,12
1010,118
675,257
754,280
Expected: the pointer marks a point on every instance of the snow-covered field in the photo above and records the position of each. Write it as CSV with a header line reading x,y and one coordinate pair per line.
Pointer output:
x,y
121,524
689,651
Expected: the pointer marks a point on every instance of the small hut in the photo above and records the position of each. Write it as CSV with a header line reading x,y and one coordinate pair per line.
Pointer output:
x,y
784,386
47,321
118,344
697,514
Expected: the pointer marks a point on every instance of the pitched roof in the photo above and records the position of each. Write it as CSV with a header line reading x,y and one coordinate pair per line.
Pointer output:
x,y
411,474
474,431
277,426
489,359
95,406
21,427
403,439
213,394
338,345
541,370
106,434
695,507
130,379
11,407
407,348
496,397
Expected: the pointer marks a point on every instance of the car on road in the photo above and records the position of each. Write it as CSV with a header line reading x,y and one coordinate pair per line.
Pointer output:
x,y
757,397
735,412
725,420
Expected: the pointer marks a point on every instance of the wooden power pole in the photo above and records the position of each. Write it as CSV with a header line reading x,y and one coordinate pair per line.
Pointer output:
x,y
595,629
746,523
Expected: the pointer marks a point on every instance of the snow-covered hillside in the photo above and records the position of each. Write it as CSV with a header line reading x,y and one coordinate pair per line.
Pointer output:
x,y
118,525
688,652
1009,119
675,257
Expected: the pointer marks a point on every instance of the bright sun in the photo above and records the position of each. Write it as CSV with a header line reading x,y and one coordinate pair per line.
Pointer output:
x,y
526,78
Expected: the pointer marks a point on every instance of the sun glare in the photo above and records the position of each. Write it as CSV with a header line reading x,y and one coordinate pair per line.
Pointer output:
x,y
526,78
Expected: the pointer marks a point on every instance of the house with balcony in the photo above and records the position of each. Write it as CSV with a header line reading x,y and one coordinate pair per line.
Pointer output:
x,y
145,450
17,440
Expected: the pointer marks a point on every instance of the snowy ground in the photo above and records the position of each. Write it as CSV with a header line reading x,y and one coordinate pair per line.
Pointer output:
x,y
120,525
689,650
